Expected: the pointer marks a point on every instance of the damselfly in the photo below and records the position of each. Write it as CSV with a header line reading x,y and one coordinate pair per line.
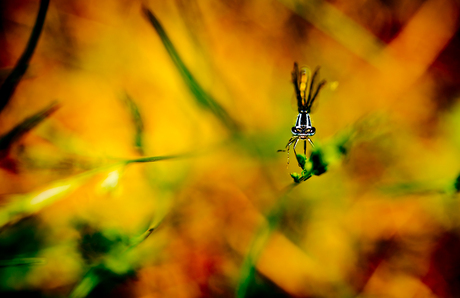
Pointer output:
x,y
304,85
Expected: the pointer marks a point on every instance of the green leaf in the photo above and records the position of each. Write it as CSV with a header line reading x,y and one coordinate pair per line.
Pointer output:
x,y
202,97
296,177
306,175
319,166
301,159
315,165
10,83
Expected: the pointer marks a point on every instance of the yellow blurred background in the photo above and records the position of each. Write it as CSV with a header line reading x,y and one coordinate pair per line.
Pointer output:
x,y
85,211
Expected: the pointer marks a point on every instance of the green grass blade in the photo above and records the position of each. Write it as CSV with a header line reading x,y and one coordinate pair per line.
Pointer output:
x,y
153,158
24,205
22,262
25,126
85,286
137,121
202,97
10,83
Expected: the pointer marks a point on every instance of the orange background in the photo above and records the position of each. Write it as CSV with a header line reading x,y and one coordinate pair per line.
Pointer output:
x,y
381,222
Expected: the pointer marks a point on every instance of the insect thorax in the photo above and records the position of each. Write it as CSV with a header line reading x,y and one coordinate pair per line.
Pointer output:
x,y
303,126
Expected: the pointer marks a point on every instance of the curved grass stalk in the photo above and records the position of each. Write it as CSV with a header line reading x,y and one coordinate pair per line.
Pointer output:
x,y
9,85
201,96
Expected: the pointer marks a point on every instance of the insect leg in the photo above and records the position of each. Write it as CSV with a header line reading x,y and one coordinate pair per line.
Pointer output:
x,y
291,140
295,145
287,146
305,147
311,142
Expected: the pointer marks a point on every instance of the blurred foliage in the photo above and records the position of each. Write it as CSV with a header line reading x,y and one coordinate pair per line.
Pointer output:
x,y
19,247
107,254
457,184
200,95
157,175
261,287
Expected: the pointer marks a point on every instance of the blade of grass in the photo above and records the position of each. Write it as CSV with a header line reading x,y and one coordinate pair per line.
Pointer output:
x,y
10,83
26,204
138,123
89,281
157,158
25,126
201,96
22,262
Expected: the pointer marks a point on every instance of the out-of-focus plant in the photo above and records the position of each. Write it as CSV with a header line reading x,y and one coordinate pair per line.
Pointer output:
x,y
110,258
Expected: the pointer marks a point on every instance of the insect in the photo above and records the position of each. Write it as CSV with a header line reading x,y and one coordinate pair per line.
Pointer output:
x,y
304,84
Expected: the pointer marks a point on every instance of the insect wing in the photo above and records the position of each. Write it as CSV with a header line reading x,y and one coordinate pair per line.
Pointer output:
x,y
304,83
